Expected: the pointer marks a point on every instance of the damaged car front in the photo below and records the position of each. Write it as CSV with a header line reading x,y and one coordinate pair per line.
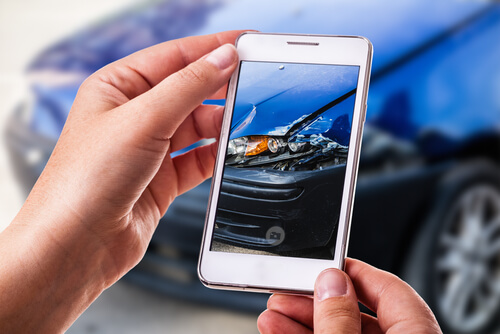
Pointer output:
x,y
285,163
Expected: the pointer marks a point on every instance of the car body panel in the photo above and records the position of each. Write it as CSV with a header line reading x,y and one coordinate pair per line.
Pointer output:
x,y
279,101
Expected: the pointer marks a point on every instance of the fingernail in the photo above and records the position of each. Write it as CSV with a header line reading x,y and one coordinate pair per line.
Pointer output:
x,y
331,283
222,57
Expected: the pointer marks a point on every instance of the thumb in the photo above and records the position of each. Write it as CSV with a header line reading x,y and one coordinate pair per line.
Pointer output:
x,y
165,106
335,304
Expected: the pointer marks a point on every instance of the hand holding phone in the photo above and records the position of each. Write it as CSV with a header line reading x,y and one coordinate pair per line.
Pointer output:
x,y
284,180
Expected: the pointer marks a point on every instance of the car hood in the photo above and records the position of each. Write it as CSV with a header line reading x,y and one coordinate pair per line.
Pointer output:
x,y
275,98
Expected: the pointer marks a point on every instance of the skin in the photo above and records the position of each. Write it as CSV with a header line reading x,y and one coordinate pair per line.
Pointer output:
x,y
93,211
334,308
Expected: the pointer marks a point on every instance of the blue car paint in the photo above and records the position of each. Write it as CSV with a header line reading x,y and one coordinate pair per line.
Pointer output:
x,y
460,90
270,100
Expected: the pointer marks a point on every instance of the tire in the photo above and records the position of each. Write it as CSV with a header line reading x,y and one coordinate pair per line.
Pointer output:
x,y
455,262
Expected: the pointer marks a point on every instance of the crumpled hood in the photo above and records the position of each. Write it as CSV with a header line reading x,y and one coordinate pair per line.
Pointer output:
x,y
274,97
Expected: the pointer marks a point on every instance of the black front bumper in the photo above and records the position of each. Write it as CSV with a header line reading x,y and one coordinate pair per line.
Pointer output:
x,y
305,205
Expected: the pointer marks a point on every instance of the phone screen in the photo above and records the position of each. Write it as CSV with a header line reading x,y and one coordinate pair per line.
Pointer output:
x,y
285,161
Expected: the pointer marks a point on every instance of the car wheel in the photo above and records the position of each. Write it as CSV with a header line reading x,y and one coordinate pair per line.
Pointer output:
x,y
455,262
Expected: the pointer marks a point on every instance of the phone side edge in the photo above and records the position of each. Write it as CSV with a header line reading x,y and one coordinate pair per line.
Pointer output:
x,y
364,106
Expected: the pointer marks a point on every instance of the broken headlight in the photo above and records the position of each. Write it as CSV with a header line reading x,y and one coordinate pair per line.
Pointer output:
x,y
242,149
284,153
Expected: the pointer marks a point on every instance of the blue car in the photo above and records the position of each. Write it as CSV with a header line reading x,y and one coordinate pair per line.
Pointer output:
x,y
428,195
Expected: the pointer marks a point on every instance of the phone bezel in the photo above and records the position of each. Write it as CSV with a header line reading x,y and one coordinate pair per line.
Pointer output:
x,y
265,273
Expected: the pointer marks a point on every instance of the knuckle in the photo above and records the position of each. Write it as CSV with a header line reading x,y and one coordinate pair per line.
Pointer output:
x,y
193,74
418,325
345,320
202,165
344,314
270,302
267,323
89,83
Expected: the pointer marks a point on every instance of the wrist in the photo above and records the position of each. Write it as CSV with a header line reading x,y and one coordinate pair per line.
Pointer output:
x,y
52,270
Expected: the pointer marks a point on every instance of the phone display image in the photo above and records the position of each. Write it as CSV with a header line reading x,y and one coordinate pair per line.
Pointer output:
x,y
285,161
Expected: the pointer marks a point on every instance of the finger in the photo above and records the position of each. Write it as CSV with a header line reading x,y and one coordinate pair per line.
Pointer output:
x,y
335,304
369,325
397,305
204,122
135,74
159,112
195,166
159,61
182,173
298,308
220,94
271,322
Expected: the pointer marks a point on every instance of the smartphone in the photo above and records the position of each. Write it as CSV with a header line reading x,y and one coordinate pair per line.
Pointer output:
x,y
284,180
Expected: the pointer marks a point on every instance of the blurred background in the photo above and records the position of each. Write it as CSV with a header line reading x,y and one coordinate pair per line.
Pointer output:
x,y
428,198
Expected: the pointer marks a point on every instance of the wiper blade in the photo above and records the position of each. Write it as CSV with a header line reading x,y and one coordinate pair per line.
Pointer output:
x,y
299,126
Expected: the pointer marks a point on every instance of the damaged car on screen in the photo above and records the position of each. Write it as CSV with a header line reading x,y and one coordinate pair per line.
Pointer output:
x,y
285,162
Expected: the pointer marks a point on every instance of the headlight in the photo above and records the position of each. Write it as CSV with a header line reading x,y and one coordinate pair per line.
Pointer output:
x,y
237,146
243,148
283,153
276,145
273,145
261,148
256,145
297,146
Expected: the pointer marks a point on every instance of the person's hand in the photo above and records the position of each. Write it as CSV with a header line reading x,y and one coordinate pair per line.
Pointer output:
x,y
93,211
334,308
111,169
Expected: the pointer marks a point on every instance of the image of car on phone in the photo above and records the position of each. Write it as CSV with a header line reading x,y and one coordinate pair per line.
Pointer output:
x,y
285,159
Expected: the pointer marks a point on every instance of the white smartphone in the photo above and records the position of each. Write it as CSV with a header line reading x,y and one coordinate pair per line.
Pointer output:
x,y
285,175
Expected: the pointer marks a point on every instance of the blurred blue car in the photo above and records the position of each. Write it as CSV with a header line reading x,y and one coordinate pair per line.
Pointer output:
x,y
428,196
